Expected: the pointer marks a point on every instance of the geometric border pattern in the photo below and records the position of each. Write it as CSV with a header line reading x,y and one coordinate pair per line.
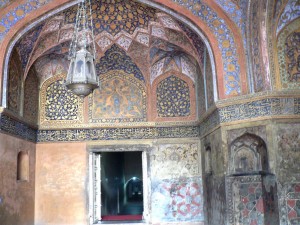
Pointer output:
x,y
6,23
230,182
97,134
260,108
281,48
16,128
265,108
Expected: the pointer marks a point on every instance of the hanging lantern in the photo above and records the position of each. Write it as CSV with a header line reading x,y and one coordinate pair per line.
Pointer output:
x,y
82,78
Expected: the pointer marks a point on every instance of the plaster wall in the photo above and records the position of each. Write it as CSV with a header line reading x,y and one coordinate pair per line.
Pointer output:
x,y
16,196
61,177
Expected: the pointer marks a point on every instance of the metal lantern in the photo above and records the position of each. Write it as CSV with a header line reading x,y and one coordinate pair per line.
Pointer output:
x,y
82,78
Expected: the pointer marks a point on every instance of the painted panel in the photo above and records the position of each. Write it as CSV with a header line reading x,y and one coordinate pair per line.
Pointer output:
x,y
288,142
26,44
173,98
245,200
121,98
58,105
288,56
14,83
175,160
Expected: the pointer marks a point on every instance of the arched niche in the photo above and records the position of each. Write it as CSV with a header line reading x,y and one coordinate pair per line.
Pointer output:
x,y
23,166
134,190
207,160
248,154
58,105
164,100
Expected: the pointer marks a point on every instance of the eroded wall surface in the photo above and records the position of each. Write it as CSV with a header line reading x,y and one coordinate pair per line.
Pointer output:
x,y
16,196
214,183
287,143
176,183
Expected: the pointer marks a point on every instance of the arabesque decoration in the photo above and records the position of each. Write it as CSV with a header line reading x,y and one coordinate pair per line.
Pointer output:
x,y
59,105
173,98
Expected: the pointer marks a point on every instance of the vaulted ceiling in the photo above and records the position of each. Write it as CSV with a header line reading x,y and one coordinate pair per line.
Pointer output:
x,y
155,41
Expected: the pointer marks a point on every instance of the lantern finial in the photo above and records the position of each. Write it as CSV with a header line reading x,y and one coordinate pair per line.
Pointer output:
x,y
82,78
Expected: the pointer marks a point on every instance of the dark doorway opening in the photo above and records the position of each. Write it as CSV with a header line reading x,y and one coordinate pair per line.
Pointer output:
x,y
121,186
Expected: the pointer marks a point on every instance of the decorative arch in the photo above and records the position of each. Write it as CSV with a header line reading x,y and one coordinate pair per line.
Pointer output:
x,y
59,106
288,13
248,154
158,103
288,56
231,73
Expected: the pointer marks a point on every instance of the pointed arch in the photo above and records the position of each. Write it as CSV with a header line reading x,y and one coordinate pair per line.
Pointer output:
x,y
230,70
248,153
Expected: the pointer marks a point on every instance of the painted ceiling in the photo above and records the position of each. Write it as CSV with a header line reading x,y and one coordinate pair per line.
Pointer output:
x,y
145,34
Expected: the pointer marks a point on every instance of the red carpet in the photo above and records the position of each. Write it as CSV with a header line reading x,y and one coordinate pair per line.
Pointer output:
x,y
122,217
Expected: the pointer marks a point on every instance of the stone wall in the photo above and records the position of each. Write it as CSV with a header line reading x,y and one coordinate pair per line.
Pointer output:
x,y
215,202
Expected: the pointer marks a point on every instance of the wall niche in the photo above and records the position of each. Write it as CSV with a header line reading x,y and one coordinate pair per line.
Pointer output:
x,y
23,166
248,155
251,189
